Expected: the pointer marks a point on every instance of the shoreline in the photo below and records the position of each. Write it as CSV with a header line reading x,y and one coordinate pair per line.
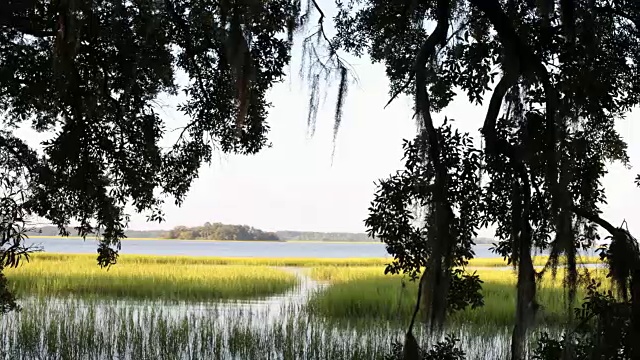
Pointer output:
x,y
209,240
235,241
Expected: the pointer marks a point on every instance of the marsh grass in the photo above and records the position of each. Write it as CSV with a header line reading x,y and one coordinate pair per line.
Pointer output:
x,y
80,329
272,261
364,293
80,276
539,260
127,259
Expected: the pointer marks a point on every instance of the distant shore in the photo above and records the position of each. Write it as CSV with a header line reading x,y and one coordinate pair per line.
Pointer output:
x,y
207,240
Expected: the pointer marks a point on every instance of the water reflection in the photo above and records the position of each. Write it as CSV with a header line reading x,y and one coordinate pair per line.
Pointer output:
x,y
277,327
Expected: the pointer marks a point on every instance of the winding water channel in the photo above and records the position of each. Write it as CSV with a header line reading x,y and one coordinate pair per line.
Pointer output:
x,y
275,327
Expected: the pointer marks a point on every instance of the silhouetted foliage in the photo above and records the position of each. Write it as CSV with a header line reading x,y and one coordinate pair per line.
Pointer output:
x,y
7,298
14,191
91,75
557,83
410,237
603,331
442,350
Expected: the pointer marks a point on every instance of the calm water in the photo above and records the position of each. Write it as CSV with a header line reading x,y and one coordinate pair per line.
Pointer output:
x,y
230,248
277,327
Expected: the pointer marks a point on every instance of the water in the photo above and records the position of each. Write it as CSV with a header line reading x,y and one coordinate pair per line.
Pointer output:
x,y
233,248
74,329
277,327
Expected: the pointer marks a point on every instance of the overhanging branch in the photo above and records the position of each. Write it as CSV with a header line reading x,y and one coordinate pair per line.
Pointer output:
x,y
596,219
528,64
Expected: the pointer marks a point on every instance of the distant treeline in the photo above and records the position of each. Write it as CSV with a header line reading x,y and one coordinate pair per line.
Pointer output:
x,y
219,231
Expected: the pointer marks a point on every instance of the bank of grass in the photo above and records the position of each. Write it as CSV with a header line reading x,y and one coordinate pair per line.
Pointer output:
x,y
79,276
272,261
539,260
216,260
364,293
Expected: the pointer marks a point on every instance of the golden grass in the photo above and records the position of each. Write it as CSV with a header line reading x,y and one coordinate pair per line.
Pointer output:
x,y
213,260
78,275
274,261
364,293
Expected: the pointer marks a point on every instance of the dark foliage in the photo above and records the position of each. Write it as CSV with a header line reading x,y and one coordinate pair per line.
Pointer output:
x,y
91,74
443,350
92,77
465,291
603,331
14,191
401,215
558,82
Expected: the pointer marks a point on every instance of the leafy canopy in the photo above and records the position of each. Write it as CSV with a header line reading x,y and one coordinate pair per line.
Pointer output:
x,y
90,75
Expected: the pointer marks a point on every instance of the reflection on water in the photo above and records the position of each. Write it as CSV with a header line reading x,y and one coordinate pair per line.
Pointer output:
x,y
75,329
277,327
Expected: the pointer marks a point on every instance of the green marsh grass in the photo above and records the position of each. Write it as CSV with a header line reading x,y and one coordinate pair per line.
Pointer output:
x,y
79,276
364,293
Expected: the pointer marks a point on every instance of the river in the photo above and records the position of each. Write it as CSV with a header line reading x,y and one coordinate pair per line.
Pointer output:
x,y
272,249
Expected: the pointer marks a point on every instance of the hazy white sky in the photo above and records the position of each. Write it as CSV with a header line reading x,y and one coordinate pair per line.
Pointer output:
x,y
295,186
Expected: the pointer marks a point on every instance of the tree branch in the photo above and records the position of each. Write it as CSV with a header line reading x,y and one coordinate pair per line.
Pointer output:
x,y
21,152
529,64
321,27
595,218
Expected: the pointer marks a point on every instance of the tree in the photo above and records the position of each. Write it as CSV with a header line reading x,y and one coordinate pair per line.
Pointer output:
x,y
565,73
89,74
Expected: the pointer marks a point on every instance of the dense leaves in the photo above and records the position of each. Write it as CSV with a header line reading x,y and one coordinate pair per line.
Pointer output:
x,y
603,331
442,350
400,214
14,191
558,82
90,75
559,75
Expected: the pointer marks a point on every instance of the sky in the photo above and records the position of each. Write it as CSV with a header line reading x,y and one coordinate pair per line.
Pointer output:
x,y
296,185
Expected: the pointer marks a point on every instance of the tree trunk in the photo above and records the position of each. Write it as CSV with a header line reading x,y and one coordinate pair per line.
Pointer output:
x,y
526,306
635,314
